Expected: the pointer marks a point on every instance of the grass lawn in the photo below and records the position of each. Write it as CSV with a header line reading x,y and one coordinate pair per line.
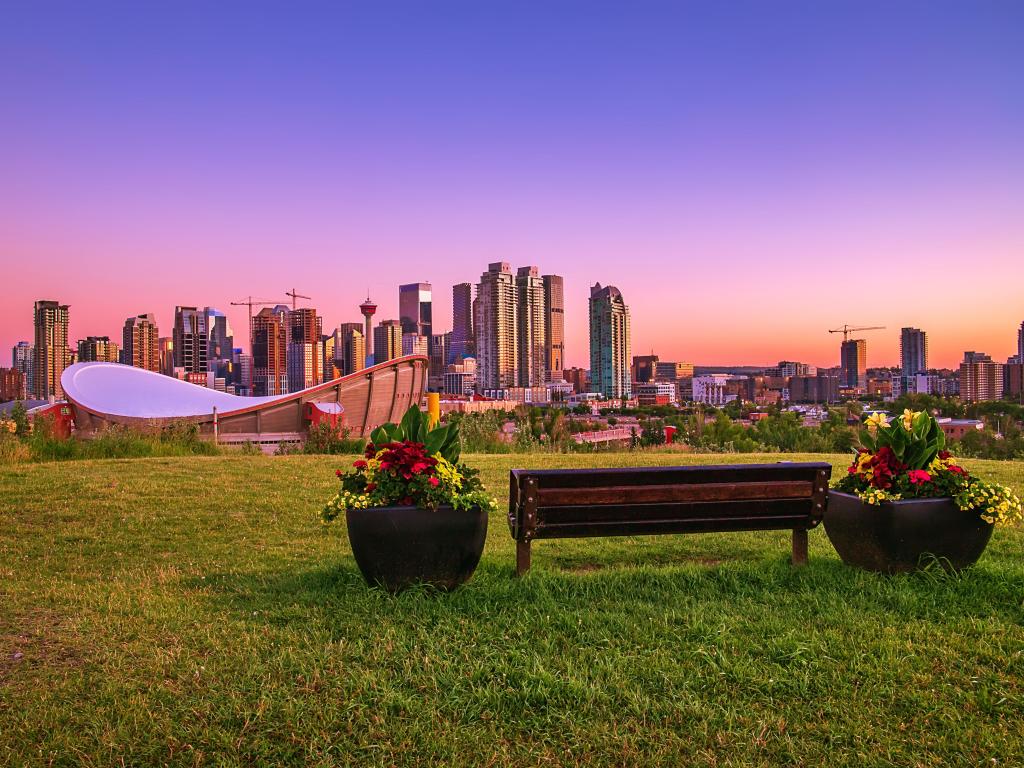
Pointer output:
x,y
195,612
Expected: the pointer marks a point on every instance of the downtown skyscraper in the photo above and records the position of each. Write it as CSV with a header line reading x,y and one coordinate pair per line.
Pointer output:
x,y
462,344
305,366
140,342
495,321
387,341
98,349
554,325
269,351
853,361
51,353
530,322
23,360
415,308
191,345
913,351
610,342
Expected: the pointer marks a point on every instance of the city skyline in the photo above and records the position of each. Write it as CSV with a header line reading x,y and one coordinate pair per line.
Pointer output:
x,y
746,185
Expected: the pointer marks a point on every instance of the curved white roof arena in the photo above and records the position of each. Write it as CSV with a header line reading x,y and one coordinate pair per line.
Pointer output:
x,y
124,390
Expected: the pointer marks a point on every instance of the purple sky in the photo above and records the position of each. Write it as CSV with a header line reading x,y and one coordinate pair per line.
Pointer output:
x,y
749,175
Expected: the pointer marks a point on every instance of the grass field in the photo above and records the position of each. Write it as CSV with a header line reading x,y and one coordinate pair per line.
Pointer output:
x,y
195,612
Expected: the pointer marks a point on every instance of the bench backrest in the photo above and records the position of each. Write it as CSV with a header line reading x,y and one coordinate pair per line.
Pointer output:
x,y
565,503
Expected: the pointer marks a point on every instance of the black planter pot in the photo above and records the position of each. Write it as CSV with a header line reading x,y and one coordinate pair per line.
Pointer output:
x,y
396,547
902,536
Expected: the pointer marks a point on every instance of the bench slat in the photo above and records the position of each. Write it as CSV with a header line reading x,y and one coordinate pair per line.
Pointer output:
x,y
650,494
560,517
654,527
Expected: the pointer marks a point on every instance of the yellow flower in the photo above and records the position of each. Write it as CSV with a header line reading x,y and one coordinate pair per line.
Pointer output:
x,y
908,419
876,421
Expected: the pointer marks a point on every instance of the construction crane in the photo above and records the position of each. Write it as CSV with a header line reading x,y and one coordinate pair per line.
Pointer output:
x,y
251,302
846,330
295,296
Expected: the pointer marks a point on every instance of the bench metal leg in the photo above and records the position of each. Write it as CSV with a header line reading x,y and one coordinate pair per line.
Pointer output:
x,y
799,546
522,557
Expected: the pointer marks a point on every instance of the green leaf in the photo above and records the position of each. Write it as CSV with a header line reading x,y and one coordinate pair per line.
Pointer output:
x,y
379,435
435,440
412,423
452,447
868,441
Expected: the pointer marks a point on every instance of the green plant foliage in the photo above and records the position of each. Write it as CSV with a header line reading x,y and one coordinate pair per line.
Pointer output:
x,y
415,427
915,438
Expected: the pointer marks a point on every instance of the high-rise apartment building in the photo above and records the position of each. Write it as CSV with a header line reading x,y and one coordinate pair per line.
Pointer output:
x,y
140,342
643,368
977,357
269,351
854,364
243,372
579,378
666,371
414,344
495,321
554,325
350,348
387,341
531,320
913,352
51,354
440,351
23,359
1020,344
98,349
12,385
415,308
980,378
165,351
220,346
610,343
328,351
462,323
191,345
305,367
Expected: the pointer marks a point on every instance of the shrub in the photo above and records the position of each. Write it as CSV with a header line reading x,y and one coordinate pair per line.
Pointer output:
x,y
323,438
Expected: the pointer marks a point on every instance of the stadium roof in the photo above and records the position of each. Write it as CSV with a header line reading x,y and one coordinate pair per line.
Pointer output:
x,y
135,392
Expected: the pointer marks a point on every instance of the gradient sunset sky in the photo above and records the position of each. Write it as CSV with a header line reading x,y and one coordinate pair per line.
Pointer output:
x,y
748,174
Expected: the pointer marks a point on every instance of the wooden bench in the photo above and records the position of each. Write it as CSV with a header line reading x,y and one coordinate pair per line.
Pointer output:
x,y
578,503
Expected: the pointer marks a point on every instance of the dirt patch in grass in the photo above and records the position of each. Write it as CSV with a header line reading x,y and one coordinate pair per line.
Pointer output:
x,y
34,639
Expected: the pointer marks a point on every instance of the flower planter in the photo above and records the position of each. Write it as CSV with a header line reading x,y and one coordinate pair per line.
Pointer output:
x,y
396,547
903,536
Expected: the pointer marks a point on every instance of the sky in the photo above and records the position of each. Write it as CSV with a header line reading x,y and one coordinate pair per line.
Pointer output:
x,y
749,175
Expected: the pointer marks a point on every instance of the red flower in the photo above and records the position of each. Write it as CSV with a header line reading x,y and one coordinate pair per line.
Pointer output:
x,y
338,473
918,476
957,470
361,464
370,487
435,482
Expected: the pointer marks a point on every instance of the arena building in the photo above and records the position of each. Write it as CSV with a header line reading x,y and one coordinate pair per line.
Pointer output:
x,y
102,394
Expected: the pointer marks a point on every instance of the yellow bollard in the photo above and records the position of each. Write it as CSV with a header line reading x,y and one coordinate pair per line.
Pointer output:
x,y
433,409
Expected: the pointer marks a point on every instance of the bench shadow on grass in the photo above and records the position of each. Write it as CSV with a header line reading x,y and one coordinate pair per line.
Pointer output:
x,y
578,581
